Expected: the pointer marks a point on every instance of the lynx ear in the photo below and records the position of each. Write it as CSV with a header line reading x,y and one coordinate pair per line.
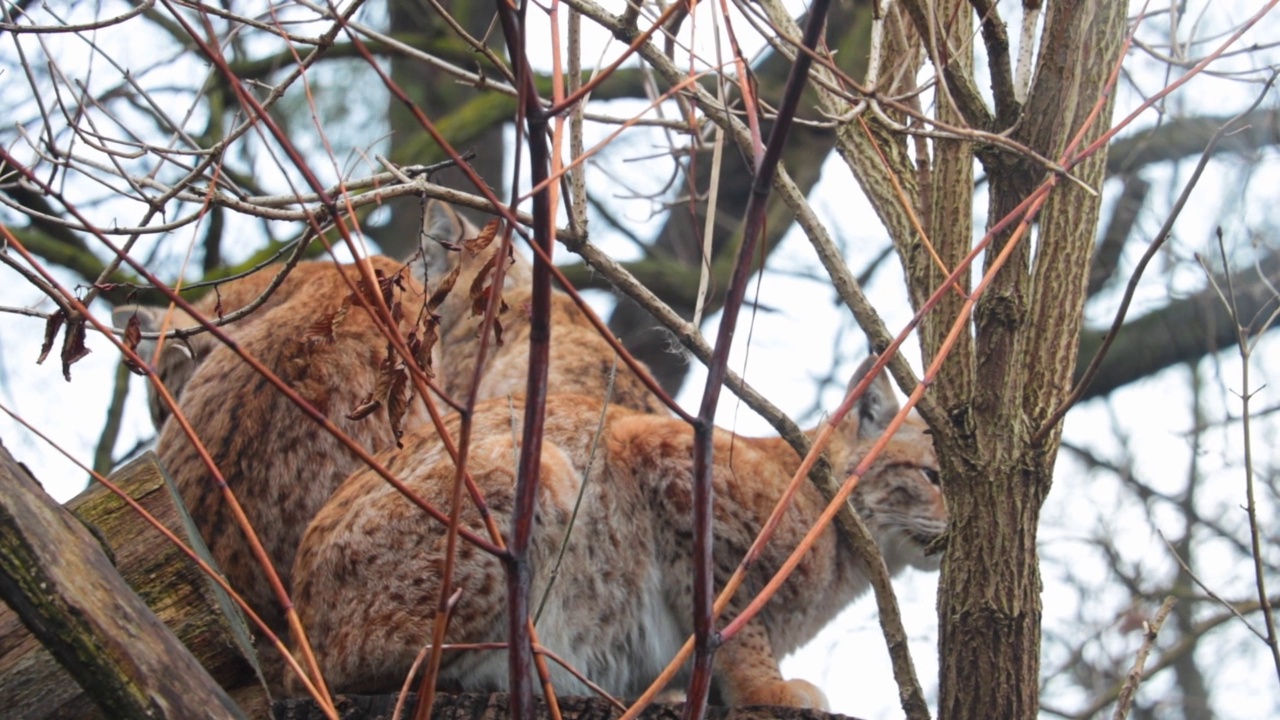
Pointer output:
x,y
442,230
443,224
878,404
177,361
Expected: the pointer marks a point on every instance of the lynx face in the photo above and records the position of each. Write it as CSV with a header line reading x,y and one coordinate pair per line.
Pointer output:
x,y
618,604
900,500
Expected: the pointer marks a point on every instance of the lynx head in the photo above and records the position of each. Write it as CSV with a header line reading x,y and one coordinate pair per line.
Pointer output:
x,y
179,358
900,496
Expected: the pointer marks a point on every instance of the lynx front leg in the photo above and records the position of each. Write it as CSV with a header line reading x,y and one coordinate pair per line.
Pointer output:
x,y
747,674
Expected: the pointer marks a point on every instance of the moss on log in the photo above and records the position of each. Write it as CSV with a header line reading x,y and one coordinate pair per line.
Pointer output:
x,y
33,684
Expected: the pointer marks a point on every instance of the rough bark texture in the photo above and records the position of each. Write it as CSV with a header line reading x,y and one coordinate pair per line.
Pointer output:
x,y
947,198
35,685
495,707
1026,326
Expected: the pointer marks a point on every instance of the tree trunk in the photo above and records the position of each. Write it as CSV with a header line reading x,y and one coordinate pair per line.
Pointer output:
x,y
1026,329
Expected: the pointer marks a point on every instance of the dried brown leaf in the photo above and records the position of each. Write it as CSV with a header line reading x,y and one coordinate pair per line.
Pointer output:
x,y
414,343
481,292
481,287
73,347
217,303
442,291
487,233
420,347
430,337
133,336
361,291
378,398
324,327
365,408
398,401
51,328
391,285
132,332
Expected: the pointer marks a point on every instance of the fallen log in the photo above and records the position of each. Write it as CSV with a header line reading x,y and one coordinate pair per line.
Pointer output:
x,y
113,654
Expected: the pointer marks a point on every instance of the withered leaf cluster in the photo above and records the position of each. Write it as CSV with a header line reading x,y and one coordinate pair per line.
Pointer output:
x,y
391,389
73,346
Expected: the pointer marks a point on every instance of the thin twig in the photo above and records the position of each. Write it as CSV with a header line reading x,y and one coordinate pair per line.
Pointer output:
x,y
1209,591
1255,537
1152,628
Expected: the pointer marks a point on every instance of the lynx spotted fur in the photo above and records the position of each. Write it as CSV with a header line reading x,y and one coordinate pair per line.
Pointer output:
x,y
280,464
369,567
179,357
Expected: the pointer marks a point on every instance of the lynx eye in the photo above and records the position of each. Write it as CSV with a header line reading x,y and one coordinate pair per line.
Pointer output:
x,y
933,477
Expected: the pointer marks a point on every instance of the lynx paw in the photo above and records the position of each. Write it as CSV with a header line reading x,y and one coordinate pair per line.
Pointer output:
x,y
790,693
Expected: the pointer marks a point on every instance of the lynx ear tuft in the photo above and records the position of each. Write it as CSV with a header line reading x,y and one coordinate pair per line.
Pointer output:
x,y
878,404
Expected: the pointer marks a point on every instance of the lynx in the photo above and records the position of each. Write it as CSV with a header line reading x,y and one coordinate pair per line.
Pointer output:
x,y
617,606
317,337
179,357
581,360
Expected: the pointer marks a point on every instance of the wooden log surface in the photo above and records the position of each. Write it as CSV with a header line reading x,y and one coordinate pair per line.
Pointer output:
x,y
33,684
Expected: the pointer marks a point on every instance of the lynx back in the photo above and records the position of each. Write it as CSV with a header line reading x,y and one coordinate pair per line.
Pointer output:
x,y
617,604
320,339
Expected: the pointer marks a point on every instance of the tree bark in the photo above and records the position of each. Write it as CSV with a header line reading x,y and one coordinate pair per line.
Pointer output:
x,y
1026,325
123,672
